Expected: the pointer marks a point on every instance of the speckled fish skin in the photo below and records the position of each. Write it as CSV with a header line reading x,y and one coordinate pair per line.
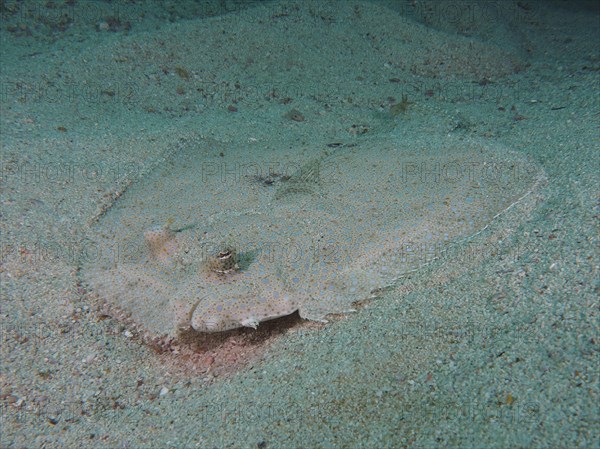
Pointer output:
x,y
341,224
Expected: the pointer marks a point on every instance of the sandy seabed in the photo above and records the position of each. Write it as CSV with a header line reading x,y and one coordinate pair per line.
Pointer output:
x,y
493,347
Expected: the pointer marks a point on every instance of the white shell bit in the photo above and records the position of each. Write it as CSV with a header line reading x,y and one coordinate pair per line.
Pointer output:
x,y
222,236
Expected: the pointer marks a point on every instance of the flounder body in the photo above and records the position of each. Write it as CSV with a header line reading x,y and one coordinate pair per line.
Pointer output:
x,y
222,236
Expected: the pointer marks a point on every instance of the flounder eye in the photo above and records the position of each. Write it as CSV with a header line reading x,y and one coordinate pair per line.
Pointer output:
x,y
224,255
224,262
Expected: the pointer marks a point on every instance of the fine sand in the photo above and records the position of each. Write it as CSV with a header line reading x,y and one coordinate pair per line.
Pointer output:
x,y
493,346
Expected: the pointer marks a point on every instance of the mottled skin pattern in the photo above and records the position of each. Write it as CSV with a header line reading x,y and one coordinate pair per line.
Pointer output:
x,y
189,248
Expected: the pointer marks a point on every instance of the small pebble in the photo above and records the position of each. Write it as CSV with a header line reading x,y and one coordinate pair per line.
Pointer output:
x,y
295,115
